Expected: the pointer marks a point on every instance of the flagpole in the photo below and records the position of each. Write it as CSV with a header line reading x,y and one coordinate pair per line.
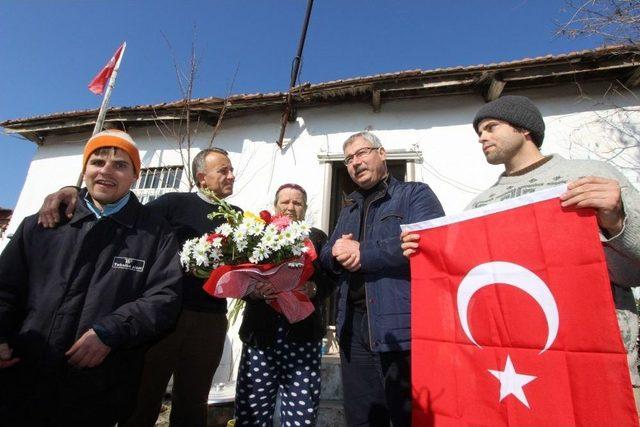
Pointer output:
x,y
107,95
105,103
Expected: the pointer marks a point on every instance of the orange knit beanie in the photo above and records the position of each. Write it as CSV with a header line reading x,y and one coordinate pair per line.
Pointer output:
x,y
112,138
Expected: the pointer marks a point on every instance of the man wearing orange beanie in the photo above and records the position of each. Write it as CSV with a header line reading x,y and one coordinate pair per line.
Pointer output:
x,y
80,303
110,190
191,352
113,138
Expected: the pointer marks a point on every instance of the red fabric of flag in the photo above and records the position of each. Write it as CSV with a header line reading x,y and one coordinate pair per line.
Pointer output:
x,y
100,80
513,323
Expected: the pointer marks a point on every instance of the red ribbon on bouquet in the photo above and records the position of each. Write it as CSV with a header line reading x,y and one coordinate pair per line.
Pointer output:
x,y
237,281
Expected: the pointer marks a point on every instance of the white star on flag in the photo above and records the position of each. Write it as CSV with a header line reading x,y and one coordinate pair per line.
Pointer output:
x,y
512,382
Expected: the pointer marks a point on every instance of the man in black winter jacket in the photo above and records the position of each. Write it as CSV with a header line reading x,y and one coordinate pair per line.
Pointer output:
x,y
191,351
79,302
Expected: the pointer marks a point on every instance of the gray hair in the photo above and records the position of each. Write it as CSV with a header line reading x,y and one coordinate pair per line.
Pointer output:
x,y
374,140
197,165
293,187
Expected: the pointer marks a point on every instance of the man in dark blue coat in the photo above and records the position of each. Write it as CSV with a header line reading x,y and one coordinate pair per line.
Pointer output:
x,y
373,312
79,303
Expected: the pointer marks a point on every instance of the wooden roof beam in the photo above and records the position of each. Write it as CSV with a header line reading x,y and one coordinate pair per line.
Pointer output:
x,y
493,90
376,100
634,78
572,70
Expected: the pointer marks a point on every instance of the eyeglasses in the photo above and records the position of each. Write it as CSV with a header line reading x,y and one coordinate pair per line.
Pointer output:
x,y
359,154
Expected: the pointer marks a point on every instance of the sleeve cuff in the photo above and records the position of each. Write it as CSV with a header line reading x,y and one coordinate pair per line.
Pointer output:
x,y
604,238
104,335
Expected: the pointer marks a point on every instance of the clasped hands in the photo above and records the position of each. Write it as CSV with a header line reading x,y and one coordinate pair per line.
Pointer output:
x,y
347,252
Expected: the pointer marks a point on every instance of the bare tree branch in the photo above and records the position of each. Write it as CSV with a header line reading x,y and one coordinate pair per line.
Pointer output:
x,y
613,134
181,130
176,65
615,21
224,107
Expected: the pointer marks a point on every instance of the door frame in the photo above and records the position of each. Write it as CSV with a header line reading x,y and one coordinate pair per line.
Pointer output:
x,y
411,157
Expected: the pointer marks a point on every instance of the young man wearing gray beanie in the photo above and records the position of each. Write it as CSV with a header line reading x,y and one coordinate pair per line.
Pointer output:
x,y
511,131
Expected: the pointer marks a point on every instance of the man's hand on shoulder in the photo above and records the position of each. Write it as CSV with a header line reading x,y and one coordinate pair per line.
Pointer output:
x,y
601,194
49,214
88,352
347,252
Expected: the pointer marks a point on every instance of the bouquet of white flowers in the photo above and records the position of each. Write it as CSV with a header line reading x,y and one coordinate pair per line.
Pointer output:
x,y
248,249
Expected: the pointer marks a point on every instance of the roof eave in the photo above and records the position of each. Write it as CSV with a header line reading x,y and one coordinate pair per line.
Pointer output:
x,y
618,63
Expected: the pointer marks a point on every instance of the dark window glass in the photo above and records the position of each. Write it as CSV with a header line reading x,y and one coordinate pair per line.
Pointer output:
x,y
156,178
176,183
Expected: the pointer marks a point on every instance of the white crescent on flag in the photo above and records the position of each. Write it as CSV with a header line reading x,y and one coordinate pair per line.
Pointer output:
x,y
500,272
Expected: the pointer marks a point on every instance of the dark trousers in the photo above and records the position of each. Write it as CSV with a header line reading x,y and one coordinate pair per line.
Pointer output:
x,y
191,353
69,397
377,386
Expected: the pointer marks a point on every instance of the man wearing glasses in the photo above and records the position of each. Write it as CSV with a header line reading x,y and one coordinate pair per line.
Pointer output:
x,y
373,310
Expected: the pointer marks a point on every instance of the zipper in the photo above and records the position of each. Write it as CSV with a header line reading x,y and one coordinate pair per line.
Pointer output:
x,y
363,238
73,273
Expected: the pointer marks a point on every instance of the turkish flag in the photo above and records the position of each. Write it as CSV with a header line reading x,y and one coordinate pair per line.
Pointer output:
x,y
513,321
100,80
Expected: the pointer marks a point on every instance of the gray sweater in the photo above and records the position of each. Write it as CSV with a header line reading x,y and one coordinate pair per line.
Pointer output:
x,y
622,251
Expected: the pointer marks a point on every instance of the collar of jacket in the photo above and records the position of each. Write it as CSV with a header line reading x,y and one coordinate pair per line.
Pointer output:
x,y
126,216
357,199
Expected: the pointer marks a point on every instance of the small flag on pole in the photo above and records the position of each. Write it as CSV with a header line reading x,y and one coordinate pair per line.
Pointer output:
x,y
99,82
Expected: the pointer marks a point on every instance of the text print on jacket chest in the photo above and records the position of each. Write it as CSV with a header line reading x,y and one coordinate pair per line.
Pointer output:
x,y
126,263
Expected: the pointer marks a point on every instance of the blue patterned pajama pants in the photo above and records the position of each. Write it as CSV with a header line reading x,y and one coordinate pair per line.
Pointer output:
x,y
289,368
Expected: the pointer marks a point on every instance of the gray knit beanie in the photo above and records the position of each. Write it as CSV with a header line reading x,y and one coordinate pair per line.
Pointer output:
x,y
519,111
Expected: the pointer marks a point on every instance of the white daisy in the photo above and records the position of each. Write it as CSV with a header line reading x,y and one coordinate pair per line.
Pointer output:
x,y
224,229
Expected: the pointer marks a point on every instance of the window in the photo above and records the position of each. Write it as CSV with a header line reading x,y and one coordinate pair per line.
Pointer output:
x,y
154,182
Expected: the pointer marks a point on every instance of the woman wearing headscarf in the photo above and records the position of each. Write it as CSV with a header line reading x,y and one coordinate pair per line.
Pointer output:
x,y
279,357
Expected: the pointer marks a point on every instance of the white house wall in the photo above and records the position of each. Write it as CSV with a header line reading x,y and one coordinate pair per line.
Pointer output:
x,y
439,128
580,124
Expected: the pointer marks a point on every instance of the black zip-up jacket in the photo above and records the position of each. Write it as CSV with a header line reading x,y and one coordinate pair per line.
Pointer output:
x,y
187,214
119,275
260,320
